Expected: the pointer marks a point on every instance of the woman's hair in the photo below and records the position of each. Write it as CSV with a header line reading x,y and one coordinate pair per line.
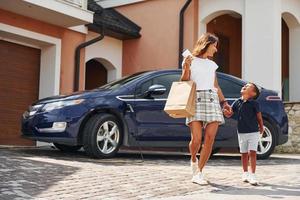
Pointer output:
x,y
203,43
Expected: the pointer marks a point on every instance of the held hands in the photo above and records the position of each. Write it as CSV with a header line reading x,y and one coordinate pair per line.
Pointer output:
x,y
227,110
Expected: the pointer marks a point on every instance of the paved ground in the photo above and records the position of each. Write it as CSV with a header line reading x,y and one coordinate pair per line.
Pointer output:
x,y
49,174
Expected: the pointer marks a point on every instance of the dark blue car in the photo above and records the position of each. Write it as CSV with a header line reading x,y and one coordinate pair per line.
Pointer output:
x,y
129,112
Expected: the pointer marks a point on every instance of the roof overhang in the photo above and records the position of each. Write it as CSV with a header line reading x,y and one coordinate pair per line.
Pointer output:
x,y
116,3
57,12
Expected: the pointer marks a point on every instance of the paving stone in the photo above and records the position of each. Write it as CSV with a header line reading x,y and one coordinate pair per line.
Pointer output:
x,y
49,174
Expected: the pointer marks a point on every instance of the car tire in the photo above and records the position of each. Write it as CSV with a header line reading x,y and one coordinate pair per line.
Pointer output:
x,y
102,136
67,148
215,150
267,141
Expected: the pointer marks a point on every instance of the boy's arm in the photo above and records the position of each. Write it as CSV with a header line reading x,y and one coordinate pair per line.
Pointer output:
x,y
260,122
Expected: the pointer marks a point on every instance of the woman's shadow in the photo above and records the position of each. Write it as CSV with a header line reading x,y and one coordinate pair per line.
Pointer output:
x,y
263,189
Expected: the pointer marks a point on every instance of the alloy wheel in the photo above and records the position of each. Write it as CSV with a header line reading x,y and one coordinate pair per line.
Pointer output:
x,y
265,141
108,136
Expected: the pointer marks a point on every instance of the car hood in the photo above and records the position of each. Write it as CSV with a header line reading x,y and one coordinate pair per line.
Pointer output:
x,y
75,95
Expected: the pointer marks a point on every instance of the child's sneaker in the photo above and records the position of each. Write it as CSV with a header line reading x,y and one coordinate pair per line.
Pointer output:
x,y
252,179
194,166
245,177
199,179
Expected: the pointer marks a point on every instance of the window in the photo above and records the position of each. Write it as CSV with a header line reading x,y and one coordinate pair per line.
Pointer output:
x,y
230,88
165,80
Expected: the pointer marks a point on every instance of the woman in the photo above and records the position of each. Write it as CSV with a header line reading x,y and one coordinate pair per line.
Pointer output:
x,y
200,69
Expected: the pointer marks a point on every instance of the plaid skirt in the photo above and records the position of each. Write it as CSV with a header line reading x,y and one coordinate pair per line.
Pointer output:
x,y
208,108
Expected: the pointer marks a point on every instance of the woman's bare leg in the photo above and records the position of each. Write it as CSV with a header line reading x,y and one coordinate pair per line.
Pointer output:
x,y
210,134
196,136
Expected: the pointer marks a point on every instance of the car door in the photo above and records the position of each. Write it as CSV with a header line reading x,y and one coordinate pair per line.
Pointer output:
x,y
231,90
152,123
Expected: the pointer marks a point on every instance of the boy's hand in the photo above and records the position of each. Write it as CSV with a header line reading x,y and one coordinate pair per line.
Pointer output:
x,y
261,130
227,113
226,106
227,110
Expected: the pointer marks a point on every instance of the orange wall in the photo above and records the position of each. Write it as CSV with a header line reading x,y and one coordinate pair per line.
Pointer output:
x,y
158,46
69,40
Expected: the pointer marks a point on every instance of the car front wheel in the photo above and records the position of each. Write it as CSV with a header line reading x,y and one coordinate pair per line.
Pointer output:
x,y
102,136
267,142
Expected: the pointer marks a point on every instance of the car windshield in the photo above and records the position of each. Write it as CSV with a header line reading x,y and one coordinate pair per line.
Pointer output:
x,y
118,83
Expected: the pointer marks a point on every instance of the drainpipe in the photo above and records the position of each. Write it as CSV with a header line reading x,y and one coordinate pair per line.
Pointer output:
x,y
181,31
77,57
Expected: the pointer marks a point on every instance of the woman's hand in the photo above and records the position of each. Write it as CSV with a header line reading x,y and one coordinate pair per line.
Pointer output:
x,y
186,72
188,62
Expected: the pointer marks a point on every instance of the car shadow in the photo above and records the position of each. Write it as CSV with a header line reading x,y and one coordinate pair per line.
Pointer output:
x,y
151,157
24,178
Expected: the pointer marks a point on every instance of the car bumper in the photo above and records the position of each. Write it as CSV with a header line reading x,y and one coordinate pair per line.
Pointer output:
x,y
60,126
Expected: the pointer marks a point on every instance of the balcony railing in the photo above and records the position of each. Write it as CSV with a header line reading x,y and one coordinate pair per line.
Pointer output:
x,y
78,3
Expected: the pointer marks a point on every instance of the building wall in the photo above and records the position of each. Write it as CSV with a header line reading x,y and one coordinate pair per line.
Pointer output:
x,y
108,52
293,144
69,40
261,38
158,46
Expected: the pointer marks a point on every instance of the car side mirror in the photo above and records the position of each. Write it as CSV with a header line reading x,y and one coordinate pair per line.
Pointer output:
x,y
156,90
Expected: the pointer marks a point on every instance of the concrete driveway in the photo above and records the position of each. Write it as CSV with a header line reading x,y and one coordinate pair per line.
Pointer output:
x,y
45,173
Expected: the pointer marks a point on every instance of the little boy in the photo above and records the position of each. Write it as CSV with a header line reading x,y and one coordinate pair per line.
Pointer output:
x,y
250,124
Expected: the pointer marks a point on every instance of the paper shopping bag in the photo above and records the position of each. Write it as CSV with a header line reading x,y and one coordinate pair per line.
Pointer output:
x,y
181,101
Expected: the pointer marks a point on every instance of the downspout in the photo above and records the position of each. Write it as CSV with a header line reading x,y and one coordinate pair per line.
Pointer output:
x,y
77,57
181,31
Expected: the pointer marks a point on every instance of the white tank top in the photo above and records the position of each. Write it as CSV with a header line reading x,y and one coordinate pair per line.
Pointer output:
x,y
203,72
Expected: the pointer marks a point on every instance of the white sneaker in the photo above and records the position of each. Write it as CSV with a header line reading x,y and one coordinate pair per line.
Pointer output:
x,y
199,179
252,179
194,166
245,177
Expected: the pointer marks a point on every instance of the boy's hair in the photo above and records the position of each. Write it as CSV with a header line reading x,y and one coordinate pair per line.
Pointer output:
x,y
256,90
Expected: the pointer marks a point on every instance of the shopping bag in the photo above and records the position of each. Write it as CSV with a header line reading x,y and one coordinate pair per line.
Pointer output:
x,y
181,101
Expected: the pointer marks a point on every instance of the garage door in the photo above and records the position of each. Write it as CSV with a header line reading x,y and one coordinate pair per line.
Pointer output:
x,y
19,86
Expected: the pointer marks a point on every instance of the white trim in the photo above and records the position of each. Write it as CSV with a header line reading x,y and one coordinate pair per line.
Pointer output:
x,y
65,8
137,99
20,43
116,3
50,56
81,29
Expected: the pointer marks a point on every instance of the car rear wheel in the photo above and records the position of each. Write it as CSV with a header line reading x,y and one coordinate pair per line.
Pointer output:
x,y
102,136
67,148
215,150
267,142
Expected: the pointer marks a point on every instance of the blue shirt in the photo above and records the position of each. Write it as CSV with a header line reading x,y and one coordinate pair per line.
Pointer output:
x,y
246,112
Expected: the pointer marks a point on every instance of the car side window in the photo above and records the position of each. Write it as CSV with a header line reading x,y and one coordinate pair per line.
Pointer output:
x,y
165,80
143,87
229,88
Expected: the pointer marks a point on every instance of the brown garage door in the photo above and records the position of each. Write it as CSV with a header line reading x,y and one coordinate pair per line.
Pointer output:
x,y
19,85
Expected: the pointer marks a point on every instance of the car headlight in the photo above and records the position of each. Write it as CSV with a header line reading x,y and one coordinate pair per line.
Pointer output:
x,y
33,109
61,104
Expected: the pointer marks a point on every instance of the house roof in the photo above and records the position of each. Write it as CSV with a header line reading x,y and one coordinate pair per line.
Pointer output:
x,y
114,23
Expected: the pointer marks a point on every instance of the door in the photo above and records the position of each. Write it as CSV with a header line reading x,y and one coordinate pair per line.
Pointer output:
x,y
19,86
152,123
